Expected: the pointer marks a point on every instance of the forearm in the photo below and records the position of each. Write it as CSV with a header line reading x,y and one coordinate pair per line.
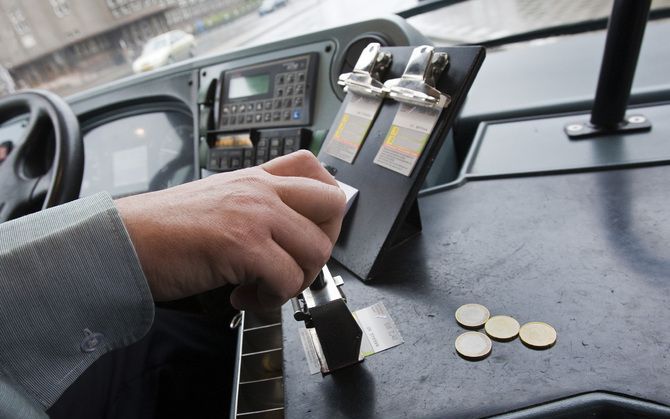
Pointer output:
x,y
64,273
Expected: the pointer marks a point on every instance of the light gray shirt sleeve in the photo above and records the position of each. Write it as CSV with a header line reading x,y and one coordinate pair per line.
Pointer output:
x,y
71,290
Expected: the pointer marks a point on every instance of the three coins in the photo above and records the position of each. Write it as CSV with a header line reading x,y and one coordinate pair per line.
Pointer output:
x,y
476,345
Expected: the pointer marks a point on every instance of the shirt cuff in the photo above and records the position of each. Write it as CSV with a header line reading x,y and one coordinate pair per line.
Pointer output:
x,y
71,290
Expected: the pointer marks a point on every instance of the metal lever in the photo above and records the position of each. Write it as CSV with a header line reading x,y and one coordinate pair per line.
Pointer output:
x,y
417,84
335,335
369,69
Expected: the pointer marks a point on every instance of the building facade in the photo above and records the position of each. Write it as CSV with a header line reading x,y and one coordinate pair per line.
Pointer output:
x,y
45,40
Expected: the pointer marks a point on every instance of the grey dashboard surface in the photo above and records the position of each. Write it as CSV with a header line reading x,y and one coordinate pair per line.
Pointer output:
x,y
533,145
560,74
584,252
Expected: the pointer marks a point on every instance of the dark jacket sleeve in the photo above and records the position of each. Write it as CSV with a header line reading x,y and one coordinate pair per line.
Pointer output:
x,y
71,290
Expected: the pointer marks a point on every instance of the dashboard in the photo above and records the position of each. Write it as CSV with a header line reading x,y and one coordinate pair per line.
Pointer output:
x,y
177,123
221,113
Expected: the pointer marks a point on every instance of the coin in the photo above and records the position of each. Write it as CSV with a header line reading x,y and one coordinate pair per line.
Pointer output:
x,y
473,345
537,335
472,316
502,328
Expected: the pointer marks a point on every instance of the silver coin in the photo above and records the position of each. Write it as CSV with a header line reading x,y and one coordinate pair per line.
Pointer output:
x,y
502,328
472,316
537,335
473,345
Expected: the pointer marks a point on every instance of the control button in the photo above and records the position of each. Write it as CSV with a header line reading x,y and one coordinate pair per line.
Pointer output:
x,y
280,92
290,78
289,91
260,161
301,76
233,120
290,145
224,164
259,106
242,107
240,119
261,153
268,105
299,89
274,152
297,101
286,115
274,142
277,103
262,142
233,109
280,79
224,120
267,117
250,118
225,110
288,103
246,163
235,163
91,342
213,163
258,117
297,113
276,115
248,153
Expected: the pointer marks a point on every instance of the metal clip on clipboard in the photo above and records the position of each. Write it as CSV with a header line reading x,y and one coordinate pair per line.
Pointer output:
x,y
334,333
417,84
367,73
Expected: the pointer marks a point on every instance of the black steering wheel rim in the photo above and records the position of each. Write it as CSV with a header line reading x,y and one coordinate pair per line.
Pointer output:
x,y
53,126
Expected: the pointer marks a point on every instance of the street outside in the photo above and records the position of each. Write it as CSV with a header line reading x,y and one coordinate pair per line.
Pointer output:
x,y
297,17
471,21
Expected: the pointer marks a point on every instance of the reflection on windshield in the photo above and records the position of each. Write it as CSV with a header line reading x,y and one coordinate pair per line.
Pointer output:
x,y
68,46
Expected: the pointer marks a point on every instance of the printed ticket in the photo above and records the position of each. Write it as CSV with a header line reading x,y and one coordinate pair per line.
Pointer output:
x,y
407,137
381,332
345,140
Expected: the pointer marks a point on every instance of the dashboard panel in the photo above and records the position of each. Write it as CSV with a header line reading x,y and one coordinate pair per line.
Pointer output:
x,y
201,87
139,153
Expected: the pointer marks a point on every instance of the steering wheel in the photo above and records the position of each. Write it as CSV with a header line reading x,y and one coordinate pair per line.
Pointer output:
x,y
45,164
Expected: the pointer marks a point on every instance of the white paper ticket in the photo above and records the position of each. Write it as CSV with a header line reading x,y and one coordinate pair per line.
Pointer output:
x,y
407,137
313,362
350,192
348,133
379,329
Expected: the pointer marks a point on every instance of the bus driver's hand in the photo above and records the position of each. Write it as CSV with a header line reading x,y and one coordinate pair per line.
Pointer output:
x,y
269,229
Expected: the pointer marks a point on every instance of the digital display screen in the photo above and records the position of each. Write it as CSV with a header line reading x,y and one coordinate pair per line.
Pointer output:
x,y
248,86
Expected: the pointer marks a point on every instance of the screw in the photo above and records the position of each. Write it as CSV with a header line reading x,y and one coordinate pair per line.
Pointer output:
x,y
575,127
637,119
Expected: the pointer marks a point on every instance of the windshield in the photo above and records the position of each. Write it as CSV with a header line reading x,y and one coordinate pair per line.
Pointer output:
x,y
68,46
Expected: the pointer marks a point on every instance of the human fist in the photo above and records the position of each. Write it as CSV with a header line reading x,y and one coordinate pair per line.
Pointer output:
x,y
269,229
